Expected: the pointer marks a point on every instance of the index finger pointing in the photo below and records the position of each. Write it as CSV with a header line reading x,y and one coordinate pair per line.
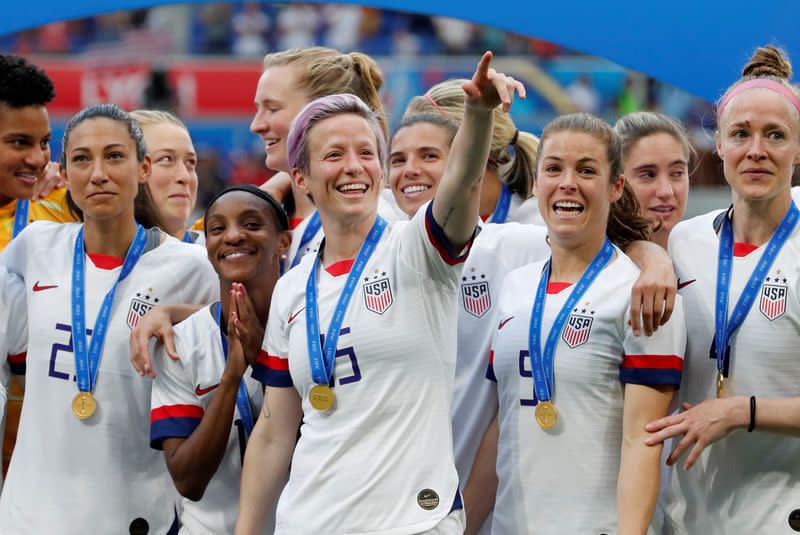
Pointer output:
x,y
482,71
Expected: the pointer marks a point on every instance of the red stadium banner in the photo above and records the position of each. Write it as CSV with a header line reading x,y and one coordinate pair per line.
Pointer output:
x,y
202,88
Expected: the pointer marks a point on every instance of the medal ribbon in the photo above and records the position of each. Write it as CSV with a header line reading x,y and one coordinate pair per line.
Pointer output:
x,y
87,362
500,213
242,400
20,217
311,230
725,327
187,238
542,361
322,364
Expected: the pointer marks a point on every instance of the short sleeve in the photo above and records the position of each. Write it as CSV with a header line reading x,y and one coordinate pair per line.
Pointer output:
x,y
272,365
425,247
657,359
13,322
175,409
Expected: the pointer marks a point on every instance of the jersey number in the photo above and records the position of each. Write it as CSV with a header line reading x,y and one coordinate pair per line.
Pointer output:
x,y
523,360
345,352
67,348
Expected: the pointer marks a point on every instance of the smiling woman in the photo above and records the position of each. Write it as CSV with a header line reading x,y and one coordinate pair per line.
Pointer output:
x,y
95,278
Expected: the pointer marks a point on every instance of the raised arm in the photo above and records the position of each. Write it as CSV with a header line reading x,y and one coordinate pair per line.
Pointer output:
x,y
192,461
638,483
267,458
456,205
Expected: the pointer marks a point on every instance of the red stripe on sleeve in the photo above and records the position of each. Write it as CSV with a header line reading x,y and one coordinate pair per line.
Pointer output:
x,y
671,362
19,358
176,411
272,362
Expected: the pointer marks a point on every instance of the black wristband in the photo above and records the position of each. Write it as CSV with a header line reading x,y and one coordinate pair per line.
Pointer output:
x,y
752,414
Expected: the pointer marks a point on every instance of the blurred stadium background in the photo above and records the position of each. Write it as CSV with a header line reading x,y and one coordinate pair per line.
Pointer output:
x,y
203,62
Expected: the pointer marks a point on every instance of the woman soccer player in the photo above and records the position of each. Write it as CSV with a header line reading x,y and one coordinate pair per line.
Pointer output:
x,y
657,157
83,464
374,451
575,387
506,192
173,179
203,406
740,269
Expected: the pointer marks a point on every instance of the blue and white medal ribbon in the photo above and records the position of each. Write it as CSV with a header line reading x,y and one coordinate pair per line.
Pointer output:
x,y
724,326
88,361
311,230
500,213
242,399
20,217
322,359
542,361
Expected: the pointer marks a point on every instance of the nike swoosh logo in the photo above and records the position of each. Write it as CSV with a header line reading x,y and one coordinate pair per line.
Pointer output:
x,y
203,391
37,288
685,283
503,323
293,316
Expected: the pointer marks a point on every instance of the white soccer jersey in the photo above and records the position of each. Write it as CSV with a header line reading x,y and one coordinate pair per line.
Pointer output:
x,y
386,209
497,250
99,475
381,462
181,393
746,482
564,480
13,335
524,211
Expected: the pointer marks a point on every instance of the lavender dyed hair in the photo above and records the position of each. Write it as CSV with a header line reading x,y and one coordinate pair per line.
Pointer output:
x,y
324,108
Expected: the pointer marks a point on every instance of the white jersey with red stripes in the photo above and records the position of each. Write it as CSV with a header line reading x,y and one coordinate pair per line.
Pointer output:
x,y
497,250
98,475
564,480
746,482
182,391
381,461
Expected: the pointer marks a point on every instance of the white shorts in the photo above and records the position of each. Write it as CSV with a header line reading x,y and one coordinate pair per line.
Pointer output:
x,y
453,524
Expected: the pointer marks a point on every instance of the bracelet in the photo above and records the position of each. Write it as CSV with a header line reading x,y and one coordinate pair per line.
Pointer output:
x,y
752,414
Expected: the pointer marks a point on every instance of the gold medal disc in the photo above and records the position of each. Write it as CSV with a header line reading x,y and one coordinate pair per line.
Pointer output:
x,y
720,385
321,397
84,405
546,414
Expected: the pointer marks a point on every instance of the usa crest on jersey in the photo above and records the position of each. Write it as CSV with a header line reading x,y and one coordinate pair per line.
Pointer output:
x,y
378,295
140,305
576,331
773,301
476,297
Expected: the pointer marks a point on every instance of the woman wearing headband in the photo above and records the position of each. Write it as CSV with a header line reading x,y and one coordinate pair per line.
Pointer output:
x,y
735,470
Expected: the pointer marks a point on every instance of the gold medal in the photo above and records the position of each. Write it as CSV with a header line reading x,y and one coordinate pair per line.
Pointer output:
x,y
546,414
321,397
720,385
84,405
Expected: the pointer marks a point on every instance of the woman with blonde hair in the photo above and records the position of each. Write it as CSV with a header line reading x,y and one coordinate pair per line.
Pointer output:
x,y
740,268
506,192
173,179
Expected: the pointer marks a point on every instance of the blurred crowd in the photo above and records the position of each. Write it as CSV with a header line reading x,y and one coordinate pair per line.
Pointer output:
x,y
248,30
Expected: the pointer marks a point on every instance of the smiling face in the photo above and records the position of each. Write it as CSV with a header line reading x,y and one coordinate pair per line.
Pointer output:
x,y
173,179
277,102
759,142
102,170
657,168
416,164
345,172
573,187
24,150
243,240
